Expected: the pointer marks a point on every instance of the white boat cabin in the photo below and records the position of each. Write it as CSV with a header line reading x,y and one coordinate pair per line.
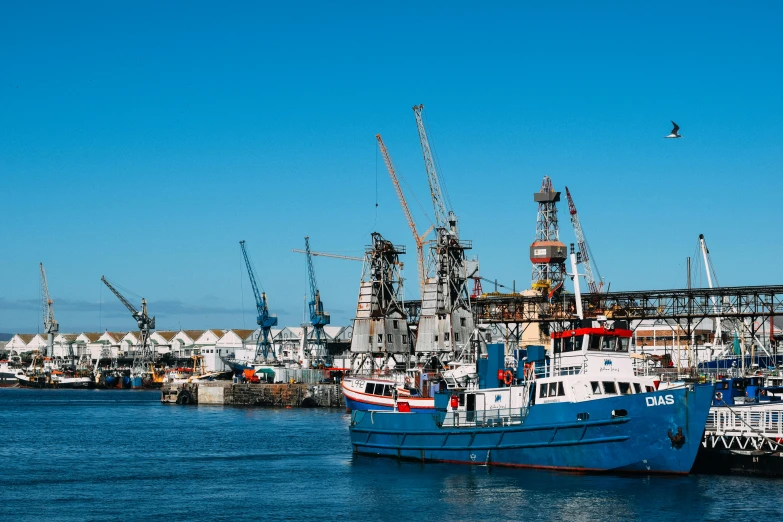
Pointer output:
x,y
589,363
584,364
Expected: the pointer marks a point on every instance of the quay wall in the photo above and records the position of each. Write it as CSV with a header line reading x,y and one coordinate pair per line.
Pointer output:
x,y
262,395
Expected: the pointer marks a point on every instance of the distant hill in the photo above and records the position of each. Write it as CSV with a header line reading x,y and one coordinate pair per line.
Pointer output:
x,y
5,337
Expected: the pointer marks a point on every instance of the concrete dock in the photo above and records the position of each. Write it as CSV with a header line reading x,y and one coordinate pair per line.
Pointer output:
x,y
264,395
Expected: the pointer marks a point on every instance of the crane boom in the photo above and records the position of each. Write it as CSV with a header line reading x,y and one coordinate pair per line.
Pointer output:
x,y
709,269
50,324
441,215
143,319
264,320
325,254
419,240
584,248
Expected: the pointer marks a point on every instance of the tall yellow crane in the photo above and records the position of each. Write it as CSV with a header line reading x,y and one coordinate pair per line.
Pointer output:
x,y
418,239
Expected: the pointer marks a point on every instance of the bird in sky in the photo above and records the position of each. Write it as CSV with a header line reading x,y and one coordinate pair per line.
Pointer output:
x,y
674,133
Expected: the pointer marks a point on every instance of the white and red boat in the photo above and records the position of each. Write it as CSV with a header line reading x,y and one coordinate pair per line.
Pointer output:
x,y
372,394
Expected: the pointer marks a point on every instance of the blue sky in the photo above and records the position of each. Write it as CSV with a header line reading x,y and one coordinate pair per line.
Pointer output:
x,y
143,140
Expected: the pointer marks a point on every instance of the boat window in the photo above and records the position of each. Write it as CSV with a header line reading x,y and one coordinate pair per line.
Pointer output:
x,y
553,389
723,386
370,388
542,391
608,344
622,344
560,390
596,387
582,416
739,384
556,345
619,413
387,390
379,389
649,389
637,388
571,344
609,387
625,388
595,343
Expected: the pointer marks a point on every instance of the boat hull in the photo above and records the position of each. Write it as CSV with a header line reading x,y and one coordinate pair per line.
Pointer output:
x,y
643,440
84,383
7,380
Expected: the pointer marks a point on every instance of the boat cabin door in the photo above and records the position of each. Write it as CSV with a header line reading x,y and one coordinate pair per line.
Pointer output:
x,y
470,407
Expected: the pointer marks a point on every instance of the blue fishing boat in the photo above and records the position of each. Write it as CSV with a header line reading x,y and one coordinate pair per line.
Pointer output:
x,y
579,407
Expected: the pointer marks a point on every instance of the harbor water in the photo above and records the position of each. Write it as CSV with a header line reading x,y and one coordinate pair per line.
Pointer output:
x,y
112,455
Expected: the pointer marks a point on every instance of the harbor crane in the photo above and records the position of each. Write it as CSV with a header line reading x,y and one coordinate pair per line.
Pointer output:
x,y
318,318
595,286
145,323
50,324
264,320
419,240
446,322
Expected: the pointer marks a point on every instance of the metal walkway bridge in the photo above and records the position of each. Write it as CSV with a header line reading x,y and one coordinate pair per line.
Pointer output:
x,y
690,304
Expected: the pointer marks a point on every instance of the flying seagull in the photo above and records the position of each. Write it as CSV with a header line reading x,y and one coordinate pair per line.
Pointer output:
x,y
674,133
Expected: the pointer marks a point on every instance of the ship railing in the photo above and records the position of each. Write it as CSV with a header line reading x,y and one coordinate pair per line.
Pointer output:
x,y
483,418
756,420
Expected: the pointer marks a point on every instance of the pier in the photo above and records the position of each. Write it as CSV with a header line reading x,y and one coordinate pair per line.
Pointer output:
x,y
261,395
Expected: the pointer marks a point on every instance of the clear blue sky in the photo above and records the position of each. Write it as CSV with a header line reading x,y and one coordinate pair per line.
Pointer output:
x,y
143,140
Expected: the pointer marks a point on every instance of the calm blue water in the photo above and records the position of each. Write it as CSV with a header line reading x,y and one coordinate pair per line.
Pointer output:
x,y
113,455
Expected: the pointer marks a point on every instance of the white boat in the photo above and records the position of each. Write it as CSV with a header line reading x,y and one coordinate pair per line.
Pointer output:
x,y
10,370
375,394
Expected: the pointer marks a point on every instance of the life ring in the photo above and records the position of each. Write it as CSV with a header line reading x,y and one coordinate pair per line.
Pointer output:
x,y
508,378
719,396
528,366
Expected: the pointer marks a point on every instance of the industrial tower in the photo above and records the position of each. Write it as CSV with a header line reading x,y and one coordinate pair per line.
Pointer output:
x,y
547,253
380,330
50,324
446,321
